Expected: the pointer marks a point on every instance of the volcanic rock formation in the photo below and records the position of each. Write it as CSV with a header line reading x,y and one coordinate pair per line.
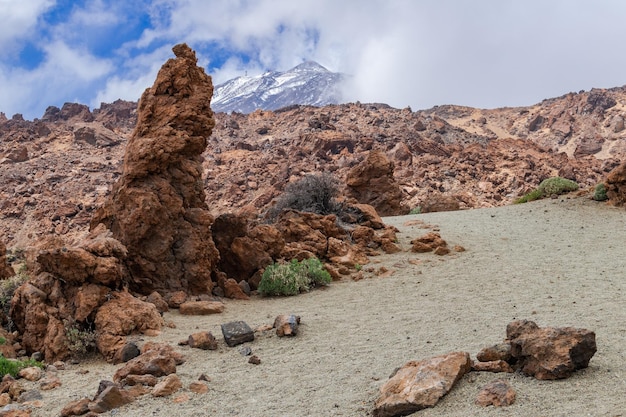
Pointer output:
x,y
5,269
157,208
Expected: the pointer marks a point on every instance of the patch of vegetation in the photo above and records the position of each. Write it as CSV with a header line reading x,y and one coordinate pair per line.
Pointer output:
x,y
7,289
294,277
600,193
549,187
12,366
315,193
81,340
358,267
416,210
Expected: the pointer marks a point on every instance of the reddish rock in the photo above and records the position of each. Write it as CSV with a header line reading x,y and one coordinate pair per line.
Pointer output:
x,y
176,298
157,208
615,184
372,182
121,316
234,291
198,387
435,202
110,398
550,352
498,393
169,385
492,366
147,380
6,270
31,373
429,242
286,325
153,362
158,301
420,384
201,308
500,351
202,340
76,408
50,382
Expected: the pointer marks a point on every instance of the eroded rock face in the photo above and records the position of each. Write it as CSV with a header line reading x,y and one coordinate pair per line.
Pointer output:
x,y
421,384
157,209
616,185
5,269
372,182
550,352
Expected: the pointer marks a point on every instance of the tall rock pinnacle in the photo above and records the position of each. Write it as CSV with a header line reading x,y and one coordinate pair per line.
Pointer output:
x,y
157,208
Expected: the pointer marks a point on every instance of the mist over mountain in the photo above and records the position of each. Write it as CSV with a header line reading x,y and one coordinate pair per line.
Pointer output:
x,y
306,84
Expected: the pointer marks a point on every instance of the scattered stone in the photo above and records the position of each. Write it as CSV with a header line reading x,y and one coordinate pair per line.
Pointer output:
x,y
236,333
153,362
158,301
420,384
126,353
198,387
550,352
37,356
498,393
245,351
182,398
31,373
111,397
176,298
201,308
15,410
147,379
30,395
234,291
76,408
492,366
254,360
50,382
169,385
500,351
204,377
5,399
202,340
286,325
428,243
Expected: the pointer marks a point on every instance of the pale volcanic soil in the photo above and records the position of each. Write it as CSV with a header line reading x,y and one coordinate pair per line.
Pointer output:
x,y
558,262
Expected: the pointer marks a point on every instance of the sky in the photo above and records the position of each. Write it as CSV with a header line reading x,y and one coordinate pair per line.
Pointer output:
x,y
417,53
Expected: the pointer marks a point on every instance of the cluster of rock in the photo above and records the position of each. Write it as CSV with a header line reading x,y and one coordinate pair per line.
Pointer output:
x,y
154,245
60,168
545,353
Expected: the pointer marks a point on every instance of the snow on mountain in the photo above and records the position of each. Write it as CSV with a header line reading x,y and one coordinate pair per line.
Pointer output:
x,y
308,83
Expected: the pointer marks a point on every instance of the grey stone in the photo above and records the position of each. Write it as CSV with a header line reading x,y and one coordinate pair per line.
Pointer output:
x,y
236,333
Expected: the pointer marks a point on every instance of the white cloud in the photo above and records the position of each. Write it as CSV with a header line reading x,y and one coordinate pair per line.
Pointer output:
x,y
18,17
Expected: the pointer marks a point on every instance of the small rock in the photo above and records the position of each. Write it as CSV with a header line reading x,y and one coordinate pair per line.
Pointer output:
x,y
176,298
286,325
127,352
254,360
169,385
30,395
236,333
500,351
49,383
5,399
32,373
198,387
60,365
111,397
204,377
148,380
76,408
492,366
497,393
245,351
37,356
201,308
202,340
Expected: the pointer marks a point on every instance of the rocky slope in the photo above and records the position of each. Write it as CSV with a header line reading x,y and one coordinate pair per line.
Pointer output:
x,y
55,171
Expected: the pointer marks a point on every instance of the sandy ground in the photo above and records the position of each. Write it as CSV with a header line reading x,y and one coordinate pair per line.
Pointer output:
x,y
558,262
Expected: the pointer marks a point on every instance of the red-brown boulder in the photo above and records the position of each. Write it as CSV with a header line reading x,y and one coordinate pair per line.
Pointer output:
x,y
550,352
372,182
498,393
5,269
421,384
157,209
616,185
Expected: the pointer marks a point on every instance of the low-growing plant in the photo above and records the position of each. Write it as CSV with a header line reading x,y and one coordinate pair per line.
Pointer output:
x,y
81,340
548,187
294,277
313,193
416,210
600,193
13,366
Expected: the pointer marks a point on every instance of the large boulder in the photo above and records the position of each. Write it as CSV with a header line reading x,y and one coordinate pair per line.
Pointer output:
x,y
550,352
372,182
157,208
421,384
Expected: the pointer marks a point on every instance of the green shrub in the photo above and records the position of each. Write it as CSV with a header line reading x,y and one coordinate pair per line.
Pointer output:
x,y
600,193
416,210
548,187
12,366
293,278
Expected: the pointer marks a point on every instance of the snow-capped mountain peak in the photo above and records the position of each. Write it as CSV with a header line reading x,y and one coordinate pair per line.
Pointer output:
x,y
308,83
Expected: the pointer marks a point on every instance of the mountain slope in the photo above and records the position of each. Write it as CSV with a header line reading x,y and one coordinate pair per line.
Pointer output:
x,y
308,84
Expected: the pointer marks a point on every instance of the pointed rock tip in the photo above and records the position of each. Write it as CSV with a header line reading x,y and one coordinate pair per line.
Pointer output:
x,y
182,50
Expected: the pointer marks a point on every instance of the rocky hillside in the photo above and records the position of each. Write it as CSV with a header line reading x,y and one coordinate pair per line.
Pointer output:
x,y
58,169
